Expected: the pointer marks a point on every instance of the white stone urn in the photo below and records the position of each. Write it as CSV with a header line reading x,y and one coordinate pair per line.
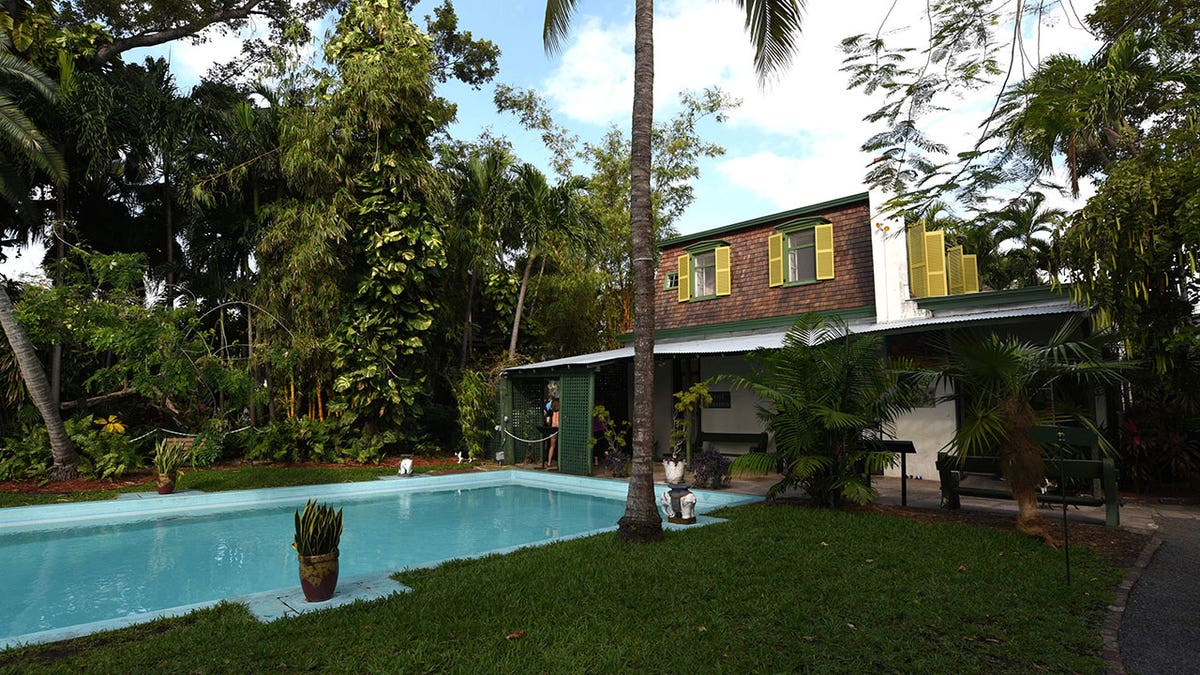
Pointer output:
x,y
673,466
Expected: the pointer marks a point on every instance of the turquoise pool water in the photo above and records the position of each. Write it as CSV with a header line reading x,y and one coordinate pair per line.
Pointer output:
x,y
81,563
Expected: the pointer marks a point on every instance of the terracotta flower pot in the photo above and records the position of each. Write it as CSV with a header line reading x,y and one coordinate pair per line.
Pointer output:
x,y
318,576
165,484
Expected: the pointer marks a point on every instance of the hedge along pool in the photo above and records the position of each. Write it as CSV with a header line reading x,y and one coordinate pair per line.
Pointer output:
x,y
77,568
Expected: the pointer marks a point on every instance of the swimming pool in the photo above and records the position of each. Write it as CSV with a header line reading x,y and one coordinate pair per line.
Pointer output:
x,y
107,564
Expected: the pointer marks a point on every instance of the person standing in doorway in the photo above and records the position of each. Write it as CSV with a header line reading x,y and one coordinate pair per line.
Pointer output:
x,y
552,420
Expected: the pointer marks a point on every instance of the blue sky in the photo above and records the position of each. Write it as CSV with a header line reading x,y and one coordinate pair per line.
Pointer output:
x,y
793,143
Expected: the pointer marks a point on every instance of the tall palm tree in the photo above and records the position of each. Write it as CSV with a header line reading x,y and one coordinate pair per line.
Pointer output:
x,y
774,26
994,379
1091,112
546,213
482,184
19,133
1027,227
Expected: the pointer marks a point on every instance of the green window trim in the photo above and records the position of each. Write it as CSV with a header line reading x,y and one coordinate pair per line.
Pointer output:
x,y
704,271
788,252
671,282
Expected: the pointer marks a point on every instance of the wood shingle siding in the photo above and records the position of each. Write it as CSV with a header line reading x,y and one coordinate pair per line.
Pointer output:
x,y
750,294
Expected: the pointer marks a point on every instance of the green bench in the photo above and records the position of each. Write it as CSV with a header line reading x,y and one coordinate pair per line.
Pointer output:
x,y
952,469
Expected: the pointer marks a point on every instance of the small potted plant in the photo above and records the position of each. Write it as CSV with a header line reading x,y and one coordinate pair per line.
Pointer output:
x,y
168,457
687,402
673,465
318,532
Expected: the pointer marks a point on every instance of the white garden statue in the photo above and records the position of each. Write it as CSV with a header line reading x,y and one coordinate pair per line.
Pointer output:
x,y
406,465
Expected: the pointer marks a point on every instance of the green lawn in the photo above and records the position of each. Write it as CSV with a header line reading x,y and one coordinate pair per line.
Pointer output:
x,y
778,588
218,479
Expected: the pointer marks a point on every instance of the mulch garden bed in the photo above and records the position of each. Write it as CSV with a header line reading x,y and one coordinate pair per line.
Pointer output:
x,y
147,476
1121,547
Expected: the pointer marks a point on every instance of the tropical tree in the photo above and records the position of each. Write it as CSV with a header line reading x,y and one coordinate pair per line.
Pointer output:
x,y
994,381
546,214
482,187
774,26
19,133
823,394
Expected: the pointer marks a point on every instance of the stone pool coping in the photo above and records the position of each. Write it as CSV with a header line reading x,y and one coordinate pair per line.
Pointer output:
x,y
287,602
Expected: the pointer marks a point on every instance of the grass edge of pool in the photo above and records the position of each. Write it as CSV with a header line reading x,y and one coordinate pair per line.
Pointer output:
x,y
776,588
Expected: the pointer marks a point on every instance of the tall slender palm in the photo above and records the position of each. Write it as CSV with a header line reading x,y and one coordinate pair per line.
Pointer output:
x,y
546,213
994,380
1091,112
481,187
774,26
18,132
1027,227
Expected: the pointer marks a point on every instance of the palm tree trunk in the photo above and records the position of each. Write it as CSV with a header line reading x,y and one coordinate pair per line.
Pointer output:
x,y
512,342
641,522
66,460
466,340
1023,468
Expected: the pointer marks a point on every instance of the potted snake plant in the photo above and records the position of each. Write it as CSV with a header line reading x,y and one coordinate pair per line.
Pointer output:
x,y
318,532
168,457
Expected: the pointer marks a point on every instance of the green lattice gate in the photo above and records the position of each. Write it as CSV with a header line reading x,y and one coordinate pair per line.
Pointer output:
x,y
575,423
528,413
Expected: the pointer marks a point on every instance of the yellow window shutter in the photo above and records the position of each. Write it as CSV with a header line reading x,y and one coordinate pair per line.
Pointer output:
x,y
954,270
935,262
775,260
918,279
823,235
970,274
721,254
685,278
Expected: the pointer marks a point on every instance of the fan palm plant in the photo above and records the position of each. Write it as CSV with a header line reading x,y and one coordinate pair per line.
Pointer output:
x,y
822,395
994,380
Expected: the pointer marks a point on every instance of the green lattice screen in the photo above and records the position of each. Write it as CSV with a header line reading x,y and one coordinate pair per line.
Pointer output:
x,y
528,412
575,423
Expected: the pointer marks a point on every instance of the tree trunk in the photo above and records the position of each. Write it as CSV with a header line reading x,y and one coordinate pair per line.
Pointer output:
x,y
66,460
466,341
253,407
512,343
641,522
1023,468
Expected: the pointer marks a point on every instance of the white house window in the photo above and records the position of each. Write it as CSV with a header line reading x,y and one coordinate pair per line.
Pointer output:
x,y
672,281
704,275
801,256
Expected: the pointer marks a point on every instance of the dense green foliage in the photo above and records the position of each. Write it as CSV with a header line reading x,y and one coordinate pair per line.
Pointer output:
x,y
775,589
822,392
245,477
1123,119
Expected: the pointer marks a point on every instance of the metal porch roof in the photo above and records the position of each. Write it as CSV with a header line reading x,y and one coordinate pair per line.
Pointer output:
x,y
740,343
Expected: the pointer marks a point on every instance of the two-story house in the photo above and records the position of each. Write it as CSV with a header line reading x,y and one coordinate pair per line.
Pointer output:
x,y
730,290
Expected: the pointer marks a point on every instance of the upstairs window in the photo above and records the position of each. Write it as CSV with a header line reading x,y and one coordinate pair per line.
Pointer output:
x,y
704,275
672,281
801,256
704,271
801,252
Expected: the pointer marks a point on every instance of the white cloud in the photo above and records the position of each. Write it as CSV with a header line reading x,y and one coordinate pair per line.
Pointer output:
x,y
796,141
